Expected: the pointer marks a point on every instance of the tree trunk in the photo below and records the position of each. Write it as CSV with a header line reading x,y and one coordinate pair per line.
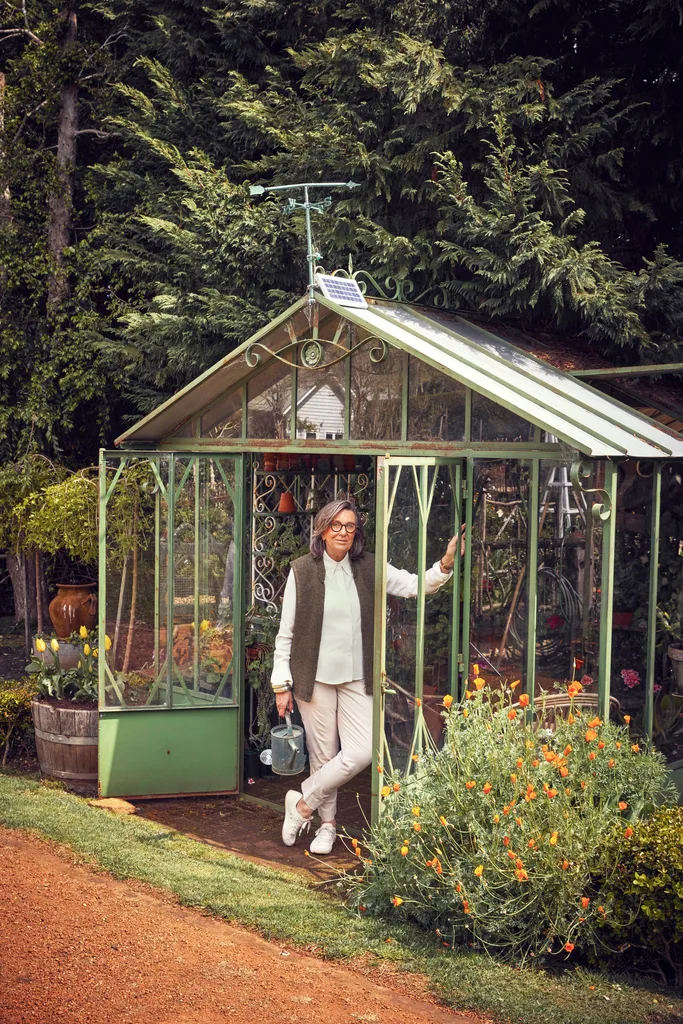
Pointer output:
x,y
16,574
61,200
39,592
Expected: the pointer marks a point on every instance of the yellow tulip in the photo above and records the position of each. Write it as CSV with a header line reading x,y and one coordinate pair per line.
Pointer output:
x,y
83,633
86,649
107,643
204,625
95,652
40,645
54,645
79,665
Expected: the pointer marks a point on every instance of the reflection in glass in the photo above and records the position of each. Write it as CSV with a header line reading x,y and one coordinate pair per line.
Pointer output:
x,y
569,565
498,616
147,575
224,419
631,584
436,406
401,629
668,724
491,422
320,403
376,390
269,397
203,560
135,616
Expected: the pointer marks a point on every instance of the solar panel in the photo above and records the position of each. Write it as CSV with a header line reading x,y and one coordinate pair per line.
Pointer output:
x,y
341,290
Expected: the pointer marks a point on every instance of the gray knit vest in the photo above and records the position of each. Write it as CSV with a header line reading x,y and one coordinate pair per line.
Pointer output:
x,y
309,574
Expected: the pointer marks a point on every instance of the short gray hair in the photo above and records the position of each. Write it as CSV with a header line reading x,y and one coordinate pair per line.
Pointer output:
x,y
325,517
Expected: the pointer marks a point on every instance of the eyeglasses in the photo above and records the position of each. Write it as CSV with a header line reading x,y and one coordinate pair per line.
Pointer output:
x,y
337,527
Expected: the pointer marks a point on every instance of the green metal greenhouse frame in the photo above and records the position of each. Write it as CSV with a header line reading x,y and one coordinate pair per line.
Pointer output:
x,y
191,742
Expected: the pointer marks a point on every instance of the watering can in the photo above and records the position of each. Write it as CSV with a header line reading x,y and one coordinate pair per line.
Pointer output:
x,y
287,748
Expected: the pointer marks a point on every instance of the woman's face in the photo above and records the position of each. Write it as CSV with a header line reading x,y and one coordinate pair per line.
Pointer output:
x,y
338,543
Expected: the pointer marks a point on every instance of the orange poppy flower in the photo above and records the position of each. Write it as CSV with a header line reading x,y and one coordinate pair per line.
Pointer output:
x,y
469,694
568,749
465,907
520,762
568,791
404,851
506,840
479,683
601,910
397,901
486,788
610,763
416,757
564,772
585,901
635,748
591,735
417,827
470,785
519,863
601,745
512,714
595,723
519,821
443,820
583,785
524,700
591,756
569,946
386,790
535,764
496,819
627,719
396,787
479,870
570,718
552,793
618,745
448,700
565,865
416,811
521,875
380,769
418,702
531,844
475,670
513,778
465,713
553,839
512,855
628,832
622,805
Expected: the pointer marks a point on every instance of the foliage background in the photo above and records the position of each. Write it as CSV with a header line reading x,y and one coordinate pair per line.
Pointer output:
x,y
507,154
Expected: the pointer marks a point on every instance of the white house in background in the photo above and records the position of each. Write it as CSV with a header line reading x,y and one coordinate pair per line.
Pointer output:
x,y
320,412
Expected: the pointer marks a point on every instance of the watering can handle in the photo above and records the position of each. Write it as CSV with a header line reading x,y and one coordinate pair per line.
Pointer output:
x,y
288,720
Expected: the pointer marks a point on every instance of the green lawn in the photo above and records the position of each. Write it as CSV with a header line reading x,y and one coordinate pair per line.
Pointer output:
x,y
280,906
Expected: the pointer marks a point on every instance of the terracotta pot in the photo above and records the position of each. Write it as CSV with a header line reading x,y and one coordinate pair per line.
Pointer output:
x,y
350,463
269,462
286,503
74,606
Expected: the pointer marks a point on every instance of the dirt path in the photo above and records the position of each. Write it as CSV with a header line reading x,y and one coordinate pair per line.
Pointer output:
x,y
78,947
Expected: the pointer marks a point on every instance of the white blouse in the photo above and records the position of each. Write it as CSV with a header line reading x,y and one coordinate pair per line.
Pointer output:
x,y
341,654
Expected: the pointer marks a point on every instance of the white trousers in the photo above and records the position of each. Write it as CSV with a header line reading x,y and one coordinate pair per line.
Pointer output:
x,y
338,724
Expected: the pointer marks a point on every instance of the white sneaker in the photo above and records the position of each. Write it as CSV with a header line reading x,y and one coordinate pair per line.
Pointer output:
x,y
294,822
324,839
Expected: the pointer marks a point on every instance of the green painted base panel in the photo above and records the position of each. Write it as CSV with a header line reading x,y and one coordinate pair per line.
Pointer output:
x,y
156,753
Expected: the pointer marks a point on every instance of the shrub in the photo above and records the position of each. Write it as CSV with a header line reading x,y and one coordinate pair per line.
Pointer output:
x,y
15,712
491,842
645,894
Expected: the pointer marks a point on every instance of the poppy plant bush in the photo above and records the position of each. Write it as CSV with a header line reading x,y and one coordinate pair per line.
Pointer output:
x,y
494,840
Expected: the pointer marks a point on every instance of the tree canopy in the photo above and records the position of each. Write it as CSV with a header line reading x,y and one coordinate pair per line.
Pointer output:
x,y
524,159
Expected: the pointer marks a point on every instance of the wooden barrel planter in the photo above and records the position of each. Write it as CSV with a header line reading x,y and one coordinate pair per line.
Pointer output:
x,y
66,740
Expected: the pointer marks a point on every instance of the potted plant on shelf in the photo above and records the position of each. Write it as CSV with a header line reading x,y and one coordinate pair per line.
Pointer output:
x,y
65,715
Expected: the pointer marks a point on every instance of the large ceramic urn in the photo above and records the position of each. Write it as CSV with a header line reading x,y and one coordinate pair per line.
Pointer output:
x,y
74,606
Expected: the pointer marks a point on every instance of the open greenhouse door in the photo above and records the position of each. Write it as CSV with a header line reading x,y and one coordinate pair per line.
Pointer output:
x,y
170,623
417,642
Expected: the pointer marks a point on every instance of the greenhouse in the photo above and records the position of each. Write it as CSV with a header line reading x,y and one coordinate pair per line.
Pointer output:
x,y
571,569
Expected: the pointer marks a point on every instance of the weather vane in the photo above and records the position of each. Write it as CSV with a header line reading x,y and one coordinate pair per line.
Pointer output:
x,y
291,205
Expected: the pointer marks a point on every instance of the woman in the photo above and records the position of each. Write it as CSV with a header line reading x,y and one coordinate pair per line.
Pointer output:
x,y
324,656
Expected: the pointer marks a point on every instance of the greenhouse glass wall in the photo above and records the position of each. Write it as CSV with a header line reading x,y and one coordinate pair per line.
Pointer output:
x,y
569,501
